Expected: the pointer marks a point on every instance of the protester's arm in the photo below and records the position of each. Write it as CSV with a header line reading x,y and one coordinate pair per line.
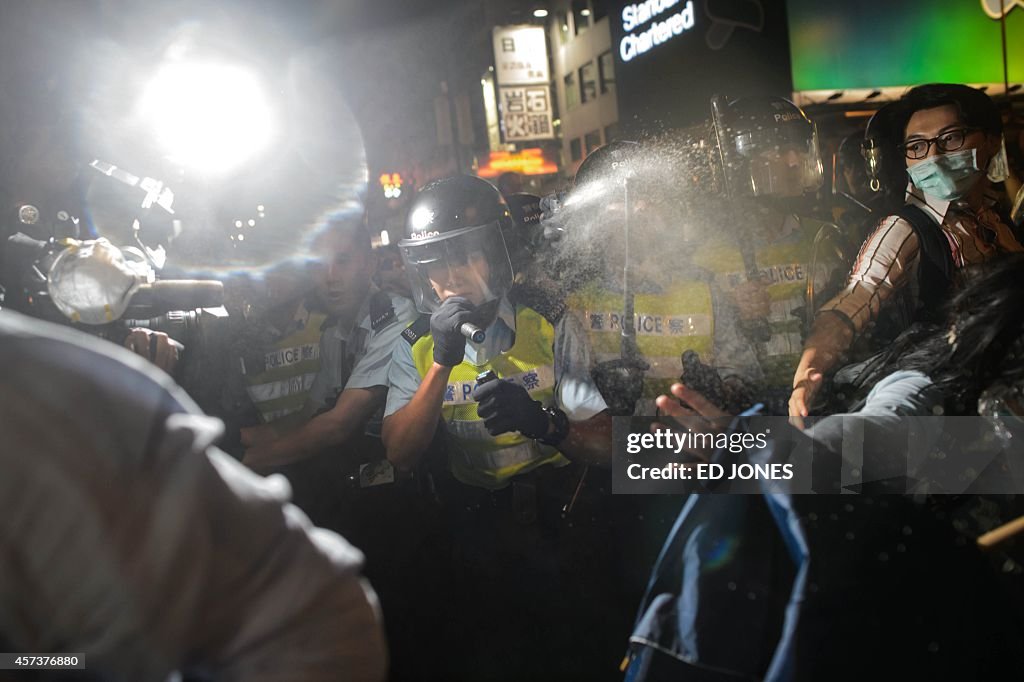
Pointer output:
x,y
883,267
830,337
887,442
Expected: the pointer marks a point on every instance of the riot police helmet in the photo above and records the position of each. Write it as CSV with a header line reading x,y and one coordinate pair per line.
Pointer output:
x,y
769,147
611,162
524,233
883,159
454,245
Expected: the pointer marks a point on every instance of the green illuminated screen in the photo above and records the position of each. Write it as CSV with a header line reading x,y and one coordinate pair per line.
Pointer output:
x,y
881,43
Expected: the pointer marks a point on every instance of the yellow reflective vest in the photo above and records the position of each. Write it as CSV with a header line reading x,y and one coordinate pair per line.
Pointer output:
x,y
785,266
278,380
475,457
667,324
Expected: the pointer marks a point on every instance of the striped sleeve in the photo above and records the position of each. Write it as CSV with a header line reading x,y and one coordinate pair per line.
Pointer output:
x,y
883,267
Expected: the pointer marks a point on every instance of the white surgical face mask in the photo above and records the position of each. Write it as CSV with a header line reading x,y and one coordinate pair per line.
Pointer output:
x,y
947,176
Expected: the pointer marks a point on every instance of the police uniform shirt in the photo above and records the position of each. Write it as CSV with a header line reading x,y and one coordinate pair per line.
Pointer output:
x,y
575,391
359,357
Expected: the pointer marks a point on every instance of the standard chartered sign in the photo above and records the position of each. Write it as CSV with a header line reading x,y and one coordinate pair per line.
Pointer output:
x,y
661,29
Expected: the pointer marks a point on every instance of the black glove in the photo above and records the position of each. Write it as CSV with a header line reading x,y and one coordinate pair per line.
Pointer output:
x,y
449,343
505,406
733,396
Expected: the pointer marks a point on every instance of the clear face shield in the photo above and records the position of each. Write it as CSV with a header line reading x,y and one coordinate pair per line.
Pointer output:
x,y
780,164
472,263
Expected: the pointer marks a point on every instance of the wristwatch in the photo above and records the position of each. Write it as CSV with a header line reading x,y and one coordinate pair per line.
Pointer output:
x,y
561,424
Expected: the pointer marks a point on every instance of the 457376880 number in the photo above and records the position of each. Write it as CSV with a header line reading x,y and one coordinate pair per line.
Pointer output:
x,y
18,661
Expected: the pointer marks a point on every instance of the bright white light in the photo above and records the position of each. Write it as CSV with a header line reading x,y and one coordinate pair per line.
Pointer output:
x,y
252,223
385,239
540,13
238,224
397,193
584,12
207,117
259,207
420,218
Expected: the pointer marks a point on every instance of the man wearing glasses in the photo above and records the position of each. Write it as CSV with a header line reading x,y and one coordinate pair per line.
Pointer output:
x,y
950,135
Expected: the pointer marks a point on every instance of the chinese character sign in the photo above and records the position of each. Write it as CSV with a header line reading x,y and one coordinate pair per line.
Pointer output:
x,y
520,55
524,89
526,113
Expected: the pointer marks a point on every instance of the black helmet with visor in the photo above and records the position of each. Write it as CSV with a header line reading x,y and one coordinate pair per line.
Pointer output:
x,y
769,147
453,243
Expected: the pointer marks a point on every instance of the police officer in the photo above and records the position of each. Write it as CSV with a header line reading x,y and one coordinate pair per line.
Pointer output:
x,y
357,335
508,441
640,261
277,345
335,461
531,255
772,258
460,271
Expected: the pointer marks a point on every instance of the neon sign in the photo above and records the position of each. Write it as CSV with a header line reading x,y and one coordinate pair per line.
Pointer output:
x,y
527,162
659,32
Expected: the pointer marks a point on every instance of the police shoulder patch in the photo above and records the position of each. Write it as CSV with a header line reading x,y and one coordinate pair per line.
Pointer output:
x,y
415,331
382,312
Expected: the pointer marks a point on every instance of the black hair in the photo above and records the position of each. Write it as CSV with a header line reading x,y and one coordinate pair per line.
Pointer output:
x,y
982,344
509,182
975,108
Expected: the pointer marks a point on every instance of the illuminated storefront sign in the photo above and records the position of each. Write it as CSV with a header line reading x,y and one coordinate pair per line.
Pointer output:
x,y
732,48
526,113
661,31
527,162
524,87
520,55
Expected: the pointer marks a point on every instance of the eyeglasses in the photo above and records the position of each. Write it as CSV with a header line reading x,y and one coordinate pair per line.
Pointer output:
x,y
949,141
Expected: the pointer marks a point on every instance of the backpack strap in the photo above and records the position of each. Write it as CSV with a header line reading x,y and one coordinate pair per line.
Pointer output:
x,y
935,269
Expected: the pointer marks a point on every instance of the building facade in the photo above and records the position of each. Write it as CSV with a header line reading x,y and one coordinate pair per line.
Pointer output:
x,y
583,71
